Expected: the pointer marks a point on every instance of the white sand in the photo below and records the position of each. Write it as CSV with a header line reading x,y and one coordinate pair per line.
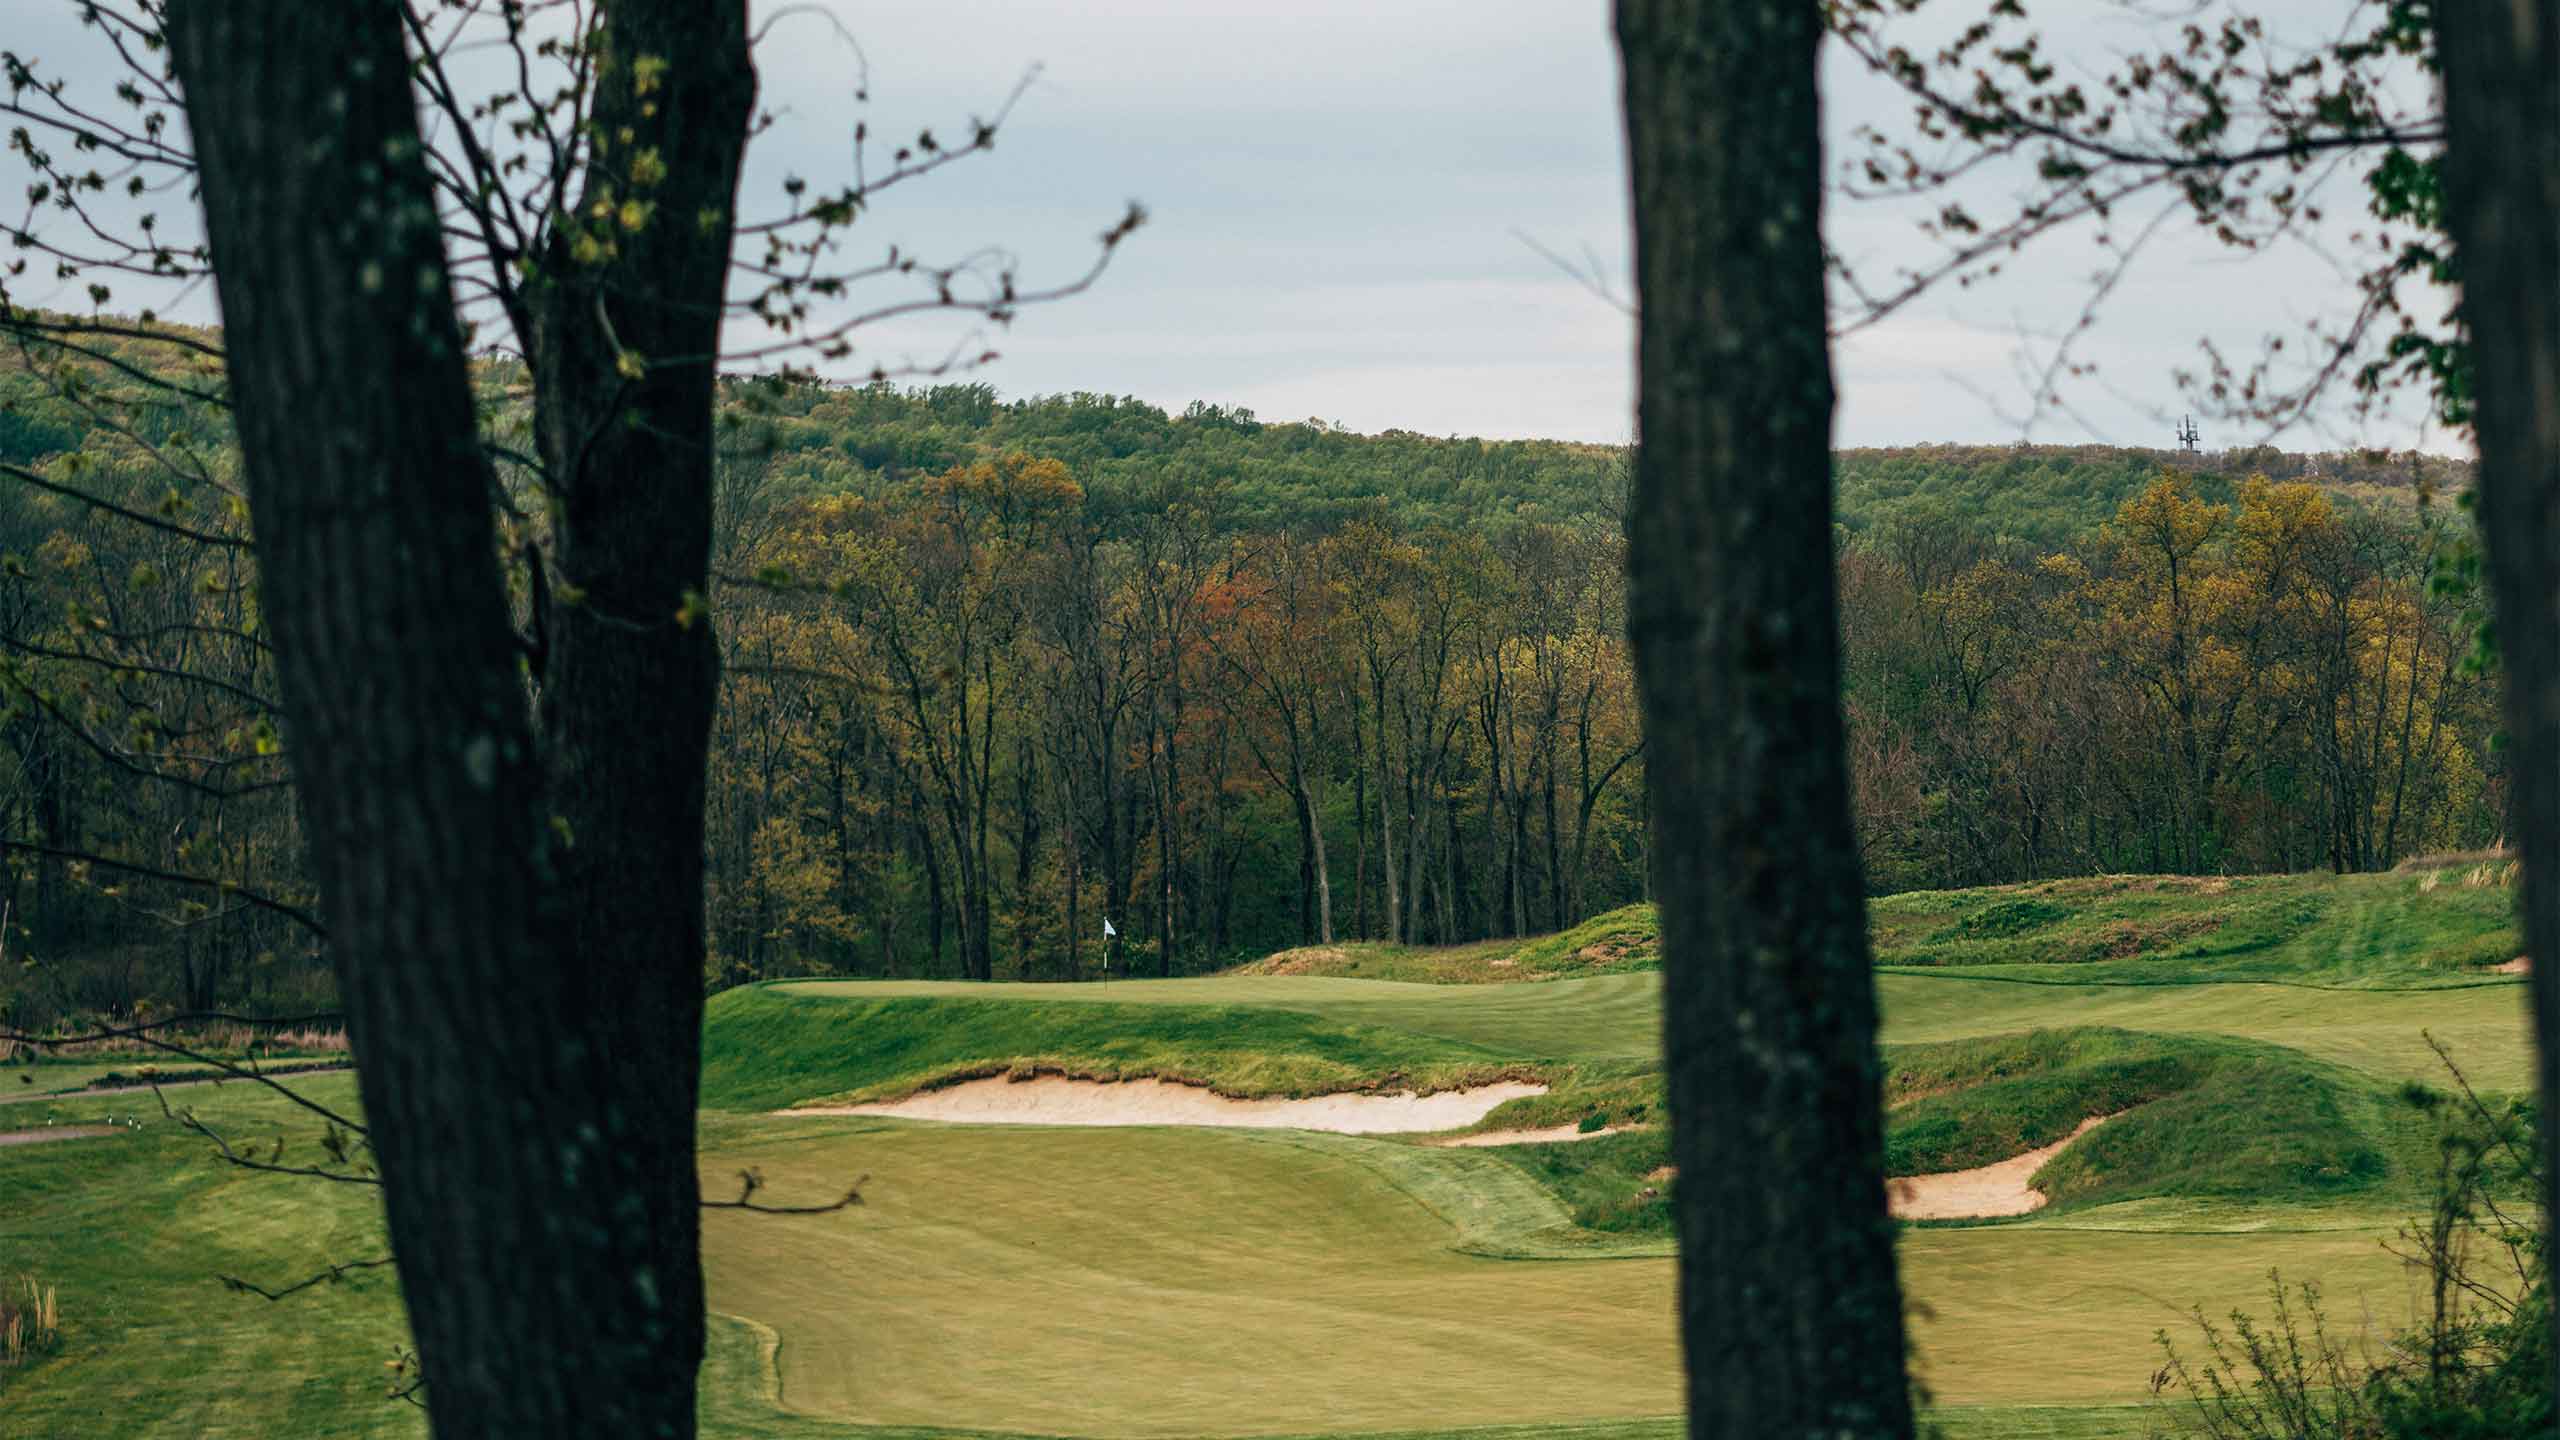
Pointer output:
x,y
1548,1136
1057,1100
2000,1189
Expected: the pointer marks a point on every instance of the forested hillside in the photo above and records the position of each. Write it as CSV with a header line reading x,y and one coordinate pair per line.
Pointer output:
x,y
997,671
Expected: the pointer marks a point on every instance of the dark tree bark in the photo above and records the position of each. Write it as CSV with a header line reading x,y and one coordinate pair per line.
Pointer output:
x,y
1791,1319
514,898
2502,203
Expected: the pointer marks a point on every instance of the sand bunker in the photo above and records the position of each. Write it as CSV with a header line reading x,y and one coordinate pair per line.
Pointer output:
x,y
1548,1136
55,1132
1057,1100
1999,1189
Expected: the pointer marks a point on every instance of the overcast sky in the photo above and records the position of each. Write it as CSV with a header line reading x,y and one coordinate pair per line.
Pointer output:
x,y
1339,191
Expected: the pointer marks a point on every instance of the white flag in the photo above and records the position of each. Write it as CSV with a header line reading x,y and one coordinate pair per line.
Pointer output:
x,y
1107,931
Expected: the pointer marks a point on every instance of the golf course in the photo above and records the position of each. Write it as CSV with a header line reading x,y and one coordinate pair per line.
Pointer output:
x,y
1086,1241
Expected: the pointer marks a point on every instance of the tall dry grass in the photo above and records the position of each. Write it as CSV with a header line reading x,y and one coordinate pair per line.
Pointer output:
x,y
30,1322
224,1039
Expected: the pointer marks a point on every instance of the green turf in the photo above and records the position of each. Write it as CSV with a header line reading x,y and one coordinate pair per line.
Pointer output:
x,y
2416,928
764,1047
1618,1017
2193,1116
133,1231
1169,1282
1610,1184
1608,1017
1615,942
1070,1280
2380,1033
1142,1280
2403,930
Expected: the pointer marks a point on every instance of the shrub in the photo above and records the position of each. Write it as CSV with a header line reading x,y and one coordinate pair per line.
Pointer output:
x,y
1593,1122
2476,1366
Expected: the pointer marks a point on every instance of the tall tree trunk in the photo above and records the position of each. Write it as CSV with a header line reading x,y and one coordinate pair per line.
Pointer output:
x,y
1387,831
491,878
1453,900
2502,202
1306,818
1324,893
935,889
1311,812
1791,1319
1558,916
1165,800
1359,832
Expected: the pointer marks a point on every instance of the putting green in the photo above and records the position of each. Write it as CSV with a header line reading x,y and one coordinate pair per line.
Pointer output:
x,y
1161,1282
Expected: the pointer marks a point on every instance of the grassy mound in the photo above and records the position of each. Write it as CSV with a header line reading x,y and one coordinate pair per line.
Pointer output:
x,y
2196,1117
1969,1103
2427,925
2415,928
1612,1185
1616,943
763,1049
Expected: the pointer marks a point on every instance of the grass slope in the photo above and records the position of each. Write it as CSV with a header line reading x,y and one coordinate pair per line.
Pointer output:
x,y
2239,1119
765,1047
1605,1018
2380,1033
1615,1020
2427,926
2195,1118
1613,943
2405,930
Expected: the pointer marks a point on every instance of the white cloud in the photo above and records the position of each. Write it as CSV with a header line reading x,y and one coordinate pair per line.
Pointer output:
x,y
1338,190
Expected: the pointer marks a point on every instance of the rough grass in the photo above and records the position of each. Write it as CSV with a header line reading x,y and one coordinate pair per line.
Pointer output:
x,y
2194,1117
2406,929
764,1048
2382,1033
1961,1104
50,1079
1608,1184
1615,1018
1622,941
2438,920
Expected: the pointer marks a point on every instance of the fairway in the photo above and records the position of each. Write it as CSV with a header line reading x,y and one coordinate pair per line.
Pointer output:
x,y
1166,1282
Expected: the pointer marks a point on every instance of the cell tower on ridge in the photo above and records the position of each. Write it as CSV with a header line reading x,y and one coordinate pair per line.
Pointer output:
x,y
2188,435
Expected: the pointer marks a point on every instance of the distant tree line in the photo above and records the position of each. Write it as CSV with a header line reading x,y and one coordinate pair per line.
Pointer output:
x,y
994,672
2270,683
